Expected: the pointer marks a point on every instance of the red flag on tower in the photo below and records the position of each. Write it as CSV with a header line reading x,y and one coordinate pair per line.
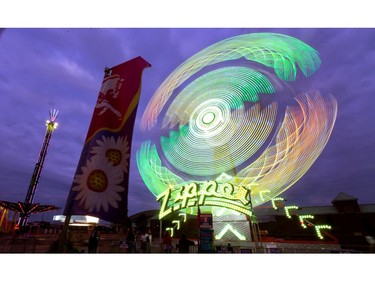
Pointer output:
x,y
100,185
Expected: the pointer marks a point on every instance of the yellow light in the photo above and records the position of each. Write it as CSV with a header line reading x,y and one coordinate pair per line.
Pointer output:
x,y
303,217
227,228
287,208
183,215
177,223
171,230
261,194
273,200
319,227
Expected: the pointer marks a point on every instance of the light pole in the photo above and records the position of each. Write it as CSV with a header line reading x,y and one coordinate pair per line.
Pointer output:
x,y
254,228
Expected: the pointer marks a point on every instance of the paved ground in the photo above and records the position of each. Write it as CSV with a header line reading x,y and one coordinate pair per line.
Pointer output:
x,y
112,244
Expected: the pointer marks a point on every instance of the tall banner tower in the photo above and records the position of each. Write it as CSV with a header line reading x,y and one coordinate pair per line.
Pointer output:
x,y
100,184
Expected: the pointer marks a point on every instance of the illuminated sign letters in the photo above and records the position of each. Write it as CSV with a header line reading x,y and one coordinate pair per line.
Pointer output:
x,y
210,193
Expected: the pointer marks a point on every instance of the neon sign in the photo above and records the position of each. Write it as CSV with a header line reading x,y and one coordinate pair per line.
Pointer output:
x,y
209,193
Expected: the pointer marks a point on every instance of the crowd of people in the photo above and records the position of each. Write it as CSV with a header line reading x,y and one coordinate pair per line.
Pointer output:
x,y
141,242
136,242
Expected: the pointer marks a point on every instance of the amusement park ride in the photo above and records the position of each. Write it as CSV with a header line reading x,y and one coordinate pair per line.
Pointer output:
x,y
236,131
26,208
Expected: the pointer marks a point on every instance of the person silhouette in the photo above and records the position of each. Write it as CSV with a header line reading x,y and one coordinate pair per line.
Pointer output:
x,y
184,244
94,241
130,240
167,242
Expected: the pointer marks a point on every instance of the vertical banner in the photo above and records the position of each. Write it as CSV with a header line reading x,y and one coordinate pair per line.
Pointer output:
x,y
100,185
205,233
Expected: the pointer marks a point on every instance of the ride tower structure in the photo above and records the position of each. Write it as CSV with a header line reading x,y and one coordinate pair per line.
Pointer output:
x,y
27,207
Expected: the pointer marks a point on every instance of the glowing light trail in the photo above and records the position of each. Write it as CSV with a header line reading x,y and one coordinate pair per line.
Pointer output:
x,y
235,112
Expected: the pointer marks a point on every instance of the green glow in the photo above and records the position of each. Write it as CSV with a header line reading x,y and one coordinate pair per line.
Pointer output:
x,y
223,177
302,219
319,227
218,120
156,177
301,139
231,86
261,194
274,200
183,215
209,193
231,139
287,210
171,230
208,118
227,228
279,52
177,223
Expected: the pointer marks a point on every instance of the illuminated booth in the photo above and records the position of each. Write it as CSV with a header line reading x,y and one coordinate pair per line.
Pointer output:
x,y
232,128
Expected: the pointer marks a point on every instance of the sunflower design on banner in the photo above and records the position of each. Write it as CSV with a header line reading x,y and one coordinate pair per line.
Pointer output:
x,y
99,185
113,150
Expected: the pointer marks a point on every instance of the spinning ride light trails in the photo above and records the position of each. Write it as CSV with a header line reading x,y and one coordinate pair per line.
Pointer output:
x,y
232,120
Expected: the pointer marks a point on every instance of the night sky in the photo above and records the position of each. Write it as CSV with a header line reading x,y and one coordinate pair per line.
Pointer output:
x,y
43,68
49,68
